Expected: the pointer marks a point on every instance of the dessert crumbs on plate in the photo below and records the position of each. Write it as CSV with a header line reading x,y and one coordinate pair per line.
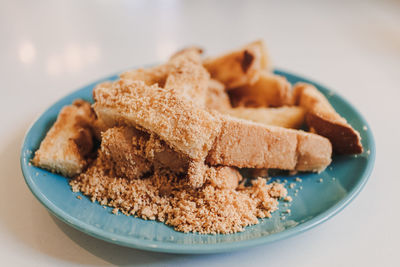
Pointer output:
x,y
288,199
167,198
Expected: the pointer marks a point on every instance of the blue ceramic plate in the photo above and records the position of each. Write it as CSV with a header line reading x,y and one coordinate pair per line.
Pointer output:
x,y
318,197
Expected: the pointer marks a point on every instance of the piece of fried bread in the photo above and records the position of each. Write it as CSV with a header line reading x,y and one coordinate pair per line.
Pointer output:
x,y
287,116
270,90
184,126
187,76
68,141
240,67
324,120
217,98
243,143
153,75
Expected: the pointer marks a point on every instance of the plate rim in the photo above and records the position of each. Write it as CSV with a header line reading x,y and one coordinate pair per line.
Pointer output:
x,y
160,246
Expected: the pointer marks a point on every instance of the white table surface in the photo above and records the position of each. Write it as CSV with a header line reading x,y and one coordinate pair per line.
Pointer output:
x,y
49,48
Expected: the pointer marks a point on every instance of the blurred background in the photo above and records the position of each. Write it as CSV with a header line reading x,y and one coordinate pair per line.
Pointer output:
x,y
50,48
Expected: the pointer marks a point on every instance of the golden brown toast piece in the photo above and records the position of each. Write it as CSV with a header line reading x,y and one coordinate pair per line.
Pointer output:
x,y
217,98
187,75
116,146
185,127
68,141
184,72
240,67
98,125
287,116
150,76
269,90
324,120
246,144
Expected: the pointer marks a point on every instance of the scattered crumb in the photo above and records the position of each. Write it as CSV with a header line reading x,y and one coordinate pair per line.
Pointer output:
x,y
320,180
368,152
278,180
298,179
301,187
283,218
78,197
288,199
333,178
292,185
104,207
285,181
285,204
288,211
356,156
29,164
170,199
296,191
365,128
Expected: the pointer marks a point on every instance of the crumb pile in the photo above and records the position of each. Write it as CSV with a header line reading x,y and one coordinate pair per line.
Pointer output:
x,y
170,199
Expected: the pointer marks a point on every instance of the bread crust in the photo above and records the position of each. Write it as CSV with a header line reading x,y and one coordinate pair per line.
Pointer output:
x,y
187,76
154,75
324,120
68,142
246,144
287,116
240,67
217,98
270,90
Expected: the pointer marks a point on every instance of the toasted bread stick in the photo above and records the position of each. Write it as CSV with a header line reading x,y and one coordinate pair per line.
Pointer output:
x,y
154,75
184,72
68,141
287,116
240,67
182,125
187,75
217,98
324,120
246,144
269,90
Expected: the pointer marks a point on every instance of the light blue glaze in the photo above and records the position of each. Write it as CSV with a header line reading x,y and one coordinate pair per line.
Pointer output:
x,y
314,203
